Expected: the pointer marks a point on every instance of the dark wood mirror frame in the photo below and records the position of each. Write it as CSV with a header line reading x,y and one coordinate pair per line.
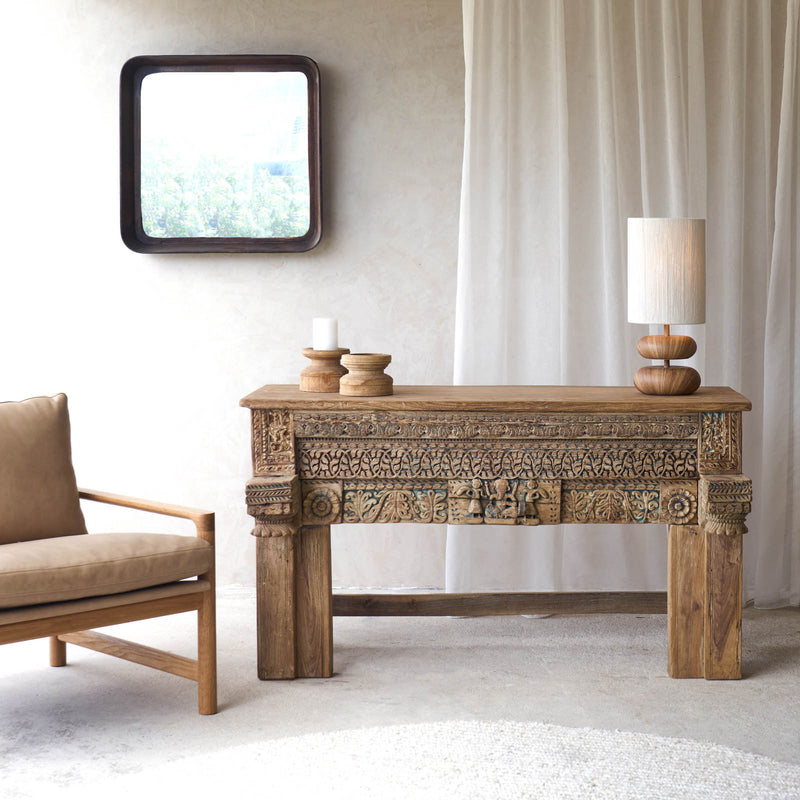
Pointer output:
x,y
133,73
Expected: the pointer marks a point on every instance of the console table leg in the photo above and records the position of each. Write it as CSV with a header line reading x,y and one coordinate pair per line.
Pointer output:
x,y
723,607
686,601
314,602
275,598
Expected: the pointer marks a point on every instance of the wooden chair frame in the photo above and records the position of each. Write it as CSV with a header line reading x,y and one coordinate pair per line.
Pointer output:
x,y
75,628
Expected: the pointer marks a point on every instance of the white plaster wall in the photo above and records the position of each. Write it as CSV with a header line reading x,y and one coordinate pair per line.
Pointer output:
x,y
156,351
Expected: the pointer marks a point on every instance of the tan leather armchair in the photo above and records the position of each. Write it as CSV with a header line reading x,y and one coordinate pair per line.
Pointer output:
x,y
58,581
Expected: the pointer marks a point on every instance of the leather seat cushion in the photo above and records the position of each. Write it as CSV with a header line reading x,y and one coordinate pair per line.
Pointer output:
x,y
71,567
38,494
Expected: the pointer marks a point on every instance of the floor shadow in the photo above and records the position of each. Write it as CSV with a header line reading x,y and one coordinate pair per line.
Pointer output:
x,y
770,660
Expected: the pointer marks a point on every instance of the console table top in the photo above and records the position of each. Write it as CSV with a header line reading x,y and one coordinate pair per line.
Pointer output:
x,y
612,399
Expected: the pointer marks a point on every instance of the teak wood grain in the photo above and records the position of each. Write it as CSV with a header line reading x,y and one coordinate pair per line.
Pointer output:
x,y
135,652
132,612
295,638
723,607
275,595
686,559
596,399
479,604
314,631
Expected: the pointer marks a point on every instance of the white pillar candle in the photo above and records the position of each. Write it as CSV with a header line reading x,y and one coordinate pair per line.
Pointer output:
x,y
325,333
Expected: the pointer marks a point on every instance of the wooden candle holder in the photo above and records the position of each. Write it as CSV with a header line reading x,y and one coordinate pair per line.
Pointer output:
x,y
365,376
324,371
666,380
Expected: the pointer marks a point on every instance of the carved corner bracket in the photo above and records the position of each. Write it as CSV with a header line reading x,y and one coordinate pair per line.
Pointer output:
x,y
275,505
725,503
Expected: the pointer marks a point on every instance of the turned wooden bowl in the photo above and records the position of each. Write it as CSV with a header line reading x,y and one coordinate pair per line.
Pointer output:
x,y
365,376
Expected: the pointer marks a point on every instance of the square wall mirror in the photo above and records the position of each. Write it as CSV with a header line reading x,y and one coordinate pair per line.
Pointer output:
x,y
220,154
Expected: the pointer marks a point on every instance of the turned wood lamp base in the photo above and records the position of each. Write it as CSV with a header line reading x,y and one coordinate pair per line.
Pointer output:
x,y
666,379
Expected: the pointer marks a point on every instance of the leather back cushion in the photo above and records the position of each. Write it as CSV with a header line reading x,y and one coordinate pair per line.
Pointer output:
x,y
38,492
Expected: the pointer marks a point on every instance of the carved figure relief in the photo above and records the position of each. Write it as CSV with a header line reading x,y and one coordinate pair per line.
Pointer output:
x,y
502,507
275,504
720,441
472,493
529,496
415,502
503,501
725,503
322,503
273,442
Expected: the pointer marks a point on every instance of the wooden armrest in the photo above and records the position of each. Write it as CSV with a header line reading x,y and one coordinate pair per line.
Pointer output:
x,y
203,520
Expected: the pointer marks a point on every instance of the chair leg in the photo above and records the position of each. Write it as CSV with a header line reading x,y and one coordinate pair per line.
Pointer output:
x,y
58,652
207,655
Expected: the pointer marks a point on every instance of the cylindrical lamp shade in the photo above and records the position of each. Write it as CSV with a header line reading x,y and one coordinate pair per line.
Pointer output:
x,y
667,271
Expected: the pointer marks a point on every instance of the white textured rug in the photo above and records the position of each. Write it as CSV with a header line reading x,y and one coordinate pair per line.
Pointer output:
x,y
466,759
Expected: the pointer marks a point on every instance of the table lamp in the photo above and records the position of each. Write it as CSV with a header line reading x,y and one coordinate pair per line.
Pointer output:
x,y
666,285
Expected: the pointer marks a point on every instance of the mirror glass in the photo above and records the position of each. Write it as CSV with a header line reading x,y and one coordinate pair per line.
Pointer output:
x,y
223,155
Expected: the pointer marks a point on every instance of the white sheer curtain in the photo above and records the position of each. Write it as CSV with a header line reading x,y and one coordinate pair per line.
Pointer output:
x,y
579,114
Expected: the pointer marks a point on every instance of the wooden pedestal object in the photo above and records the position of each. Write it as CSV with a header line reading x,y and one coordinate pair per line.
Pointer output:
x,y
324,371
366,377
498,456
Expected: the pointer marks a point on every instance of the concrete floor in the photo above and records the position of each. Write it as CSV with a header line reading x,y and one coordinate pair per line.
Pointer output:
x,y
100,717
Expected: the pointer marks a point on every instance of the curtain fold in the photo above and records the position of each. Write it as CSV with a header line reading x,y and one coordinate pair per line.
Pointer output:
x,y
778,553
580,114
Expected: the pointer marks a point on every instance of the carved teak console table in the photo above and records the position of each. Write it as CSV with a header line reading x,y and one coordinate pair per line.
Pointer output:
x,y
472,455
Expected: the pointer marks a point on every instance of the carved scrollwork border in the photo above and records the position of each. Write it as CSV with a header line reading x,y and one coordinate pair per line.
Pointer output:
x,y
376,460
421,425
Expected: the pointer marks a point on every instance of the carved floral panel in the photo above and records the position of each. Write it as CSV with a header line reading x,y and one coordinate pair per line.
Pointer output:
x,y
381,502
679,503
322,502
605,502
